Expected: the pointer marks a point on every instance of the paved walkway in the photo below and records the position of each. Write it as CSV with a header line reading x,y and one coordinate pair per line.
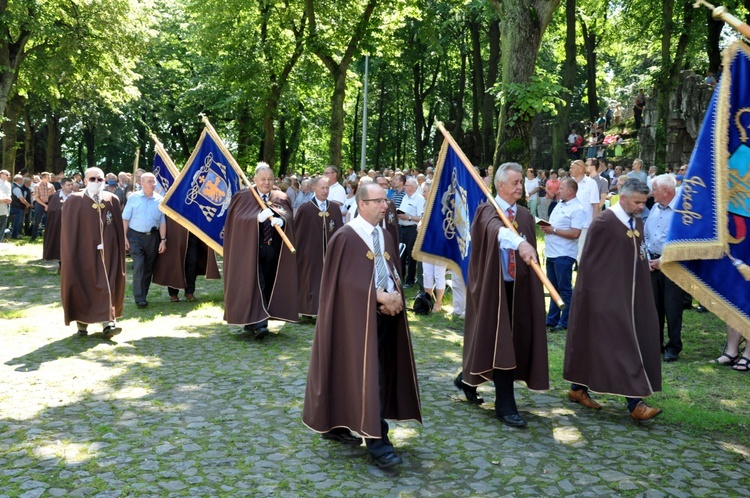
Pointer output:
x,y
179,406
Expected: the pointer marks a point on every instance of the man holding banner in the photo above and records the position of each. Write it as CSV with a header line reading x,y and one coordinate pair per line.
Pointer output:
x,y
260,272
504,333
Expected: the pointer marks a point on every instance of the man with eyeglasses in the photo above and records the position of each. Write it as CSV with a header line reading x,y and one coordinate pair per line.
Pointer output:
x,y
92,257
53,225
145,229
362,369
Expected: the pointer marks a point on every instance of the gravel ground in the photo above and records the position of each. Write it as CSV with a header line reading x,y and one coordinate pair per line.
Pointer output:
x,y
179,405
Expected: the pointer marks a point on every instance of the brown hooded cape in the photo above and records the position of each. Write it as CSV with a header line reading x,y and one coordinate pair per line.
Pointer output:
x,y
169,269
490,342
243,299
313,229
342,383
613,343
51,246
92,281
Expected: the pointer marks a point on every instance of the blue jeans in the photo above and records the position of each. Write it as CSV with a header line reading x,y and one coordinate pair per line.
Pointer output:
x,y
560,273
18,214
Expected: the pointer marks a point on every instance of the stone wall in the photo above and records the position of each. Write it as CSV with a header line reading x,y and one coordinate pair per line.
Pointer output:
x,y
687,107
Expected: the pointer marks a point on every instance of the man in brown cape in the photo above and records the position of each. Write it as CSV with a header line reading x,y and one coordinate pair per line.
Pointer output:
x,y
185,258
362,366
504,333
51,246
314,224
260,272
613,334
92,257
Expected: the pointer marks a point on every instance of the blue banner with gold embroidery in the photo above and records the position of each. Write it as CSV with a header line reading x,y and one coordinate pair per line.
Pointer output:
x,y
199,199
164,170
445,235
707,244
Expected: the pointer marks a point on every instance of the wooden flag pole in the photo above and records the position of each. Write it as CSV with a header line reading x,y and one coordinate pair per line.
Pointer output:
x,y
720,13
467,164
262,204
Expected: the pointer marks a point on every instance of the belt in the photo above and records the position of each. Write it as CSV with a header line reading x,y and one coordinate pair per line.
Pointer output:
x,y
655,256
153,231
266,243
407,226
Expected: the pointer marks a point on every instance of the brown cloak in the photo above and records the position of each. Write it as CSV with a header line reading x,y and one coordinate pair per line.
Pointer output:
x,y
613,332
342,383
169,269
51,246
489,340
243,299
312,230
92,282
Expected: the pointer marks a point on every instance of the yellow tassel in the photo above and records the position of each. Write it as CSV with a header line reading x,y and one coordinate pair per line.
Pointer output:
x,y
742,268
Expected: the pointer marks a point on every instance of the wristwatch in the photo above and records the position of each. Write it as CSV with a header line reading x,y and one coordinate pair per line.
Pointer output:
x,y
554,230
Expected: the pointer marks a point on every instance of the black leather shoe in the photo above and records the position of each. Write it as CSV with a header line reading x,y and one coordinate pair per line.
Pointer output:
x,y
142,304
469,391
701,309
261,333
670,356
110,331
343,437
387,460
513,420
559,328
83,333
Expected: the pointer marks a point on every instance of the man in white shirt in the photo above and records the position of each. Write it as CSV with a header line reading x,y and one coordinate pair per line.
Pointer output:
x,y
667,295
410,212
336,192
5,200
588,195
561,248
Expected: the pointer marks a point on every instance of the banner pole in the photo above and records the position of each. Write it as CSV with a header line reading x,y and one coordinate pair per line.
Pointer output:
x,y
262,204
467,164
720,13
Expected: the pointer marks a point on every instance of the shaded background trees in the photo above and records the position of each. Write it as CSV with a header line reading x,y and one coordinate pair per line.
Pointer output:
x,y
83,83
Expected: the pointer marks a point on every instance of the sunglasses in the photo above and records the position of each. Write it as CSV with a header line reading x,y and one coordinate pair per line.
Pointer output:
x,y
95,179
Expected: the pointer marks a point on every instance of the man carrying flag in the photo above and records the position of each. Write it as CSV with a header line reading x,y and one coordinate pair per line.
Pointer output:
x,y
260,272
186,256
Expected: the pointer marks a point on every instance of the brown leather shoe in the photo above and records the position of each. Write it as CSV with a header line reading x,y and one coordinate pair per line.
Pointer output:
x,y
582,397
644,412
174,299
190,297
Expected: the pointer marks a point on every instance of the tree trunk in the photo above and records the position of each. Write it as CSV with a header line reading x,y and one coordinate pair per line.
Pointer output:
x,y
355,131
488,100
523,24
562,125
269,114
12,53
477,77
29,142
381,123
590,43
338,71
89,140
712,42
13,111
53,141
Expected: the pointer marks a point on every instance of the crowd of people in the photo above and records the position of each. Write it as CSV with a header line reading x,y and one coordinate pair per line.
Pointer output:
x,y
337,250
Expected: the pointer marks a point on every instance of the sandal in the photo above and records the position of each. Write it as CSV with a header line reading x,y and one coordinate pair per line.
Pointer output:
x,y
743,364
731,360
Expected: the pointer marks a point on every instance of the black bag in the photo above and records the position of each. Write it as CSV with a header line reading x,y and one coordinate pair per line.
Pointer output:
x,y
422,303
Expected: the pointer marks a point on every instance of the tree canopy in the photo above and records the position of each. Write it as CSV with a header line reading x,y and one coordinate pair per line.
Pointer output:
x,y
83,83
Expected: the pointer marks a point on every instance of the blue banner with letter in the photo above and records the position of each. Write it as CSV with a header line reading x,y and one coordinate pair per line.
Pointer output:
x,y
707,244
445,235
164,170
199,199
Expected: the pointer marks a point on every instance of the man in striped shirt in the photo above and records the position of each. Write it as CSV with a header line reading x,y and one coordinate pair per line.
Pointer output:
x,y
42,193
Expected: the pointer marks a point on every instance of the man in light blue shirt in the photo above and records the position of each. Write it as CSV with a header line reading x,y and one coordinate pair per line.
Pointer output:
x,y
668,295
145,235
561,248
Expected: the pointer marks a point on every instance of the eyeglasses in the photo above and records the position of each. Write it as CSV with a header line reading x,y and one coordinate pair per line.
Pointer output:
x,y
379,201
95,179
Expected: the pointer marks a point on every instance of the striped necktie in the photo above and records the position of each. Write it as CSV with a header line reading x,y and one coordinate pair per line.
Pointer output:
x,y
381,273
511,252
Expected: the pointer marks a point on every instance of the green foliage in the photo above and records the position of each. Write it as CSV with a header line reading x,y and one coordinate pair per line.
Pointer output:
x,y
540,94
